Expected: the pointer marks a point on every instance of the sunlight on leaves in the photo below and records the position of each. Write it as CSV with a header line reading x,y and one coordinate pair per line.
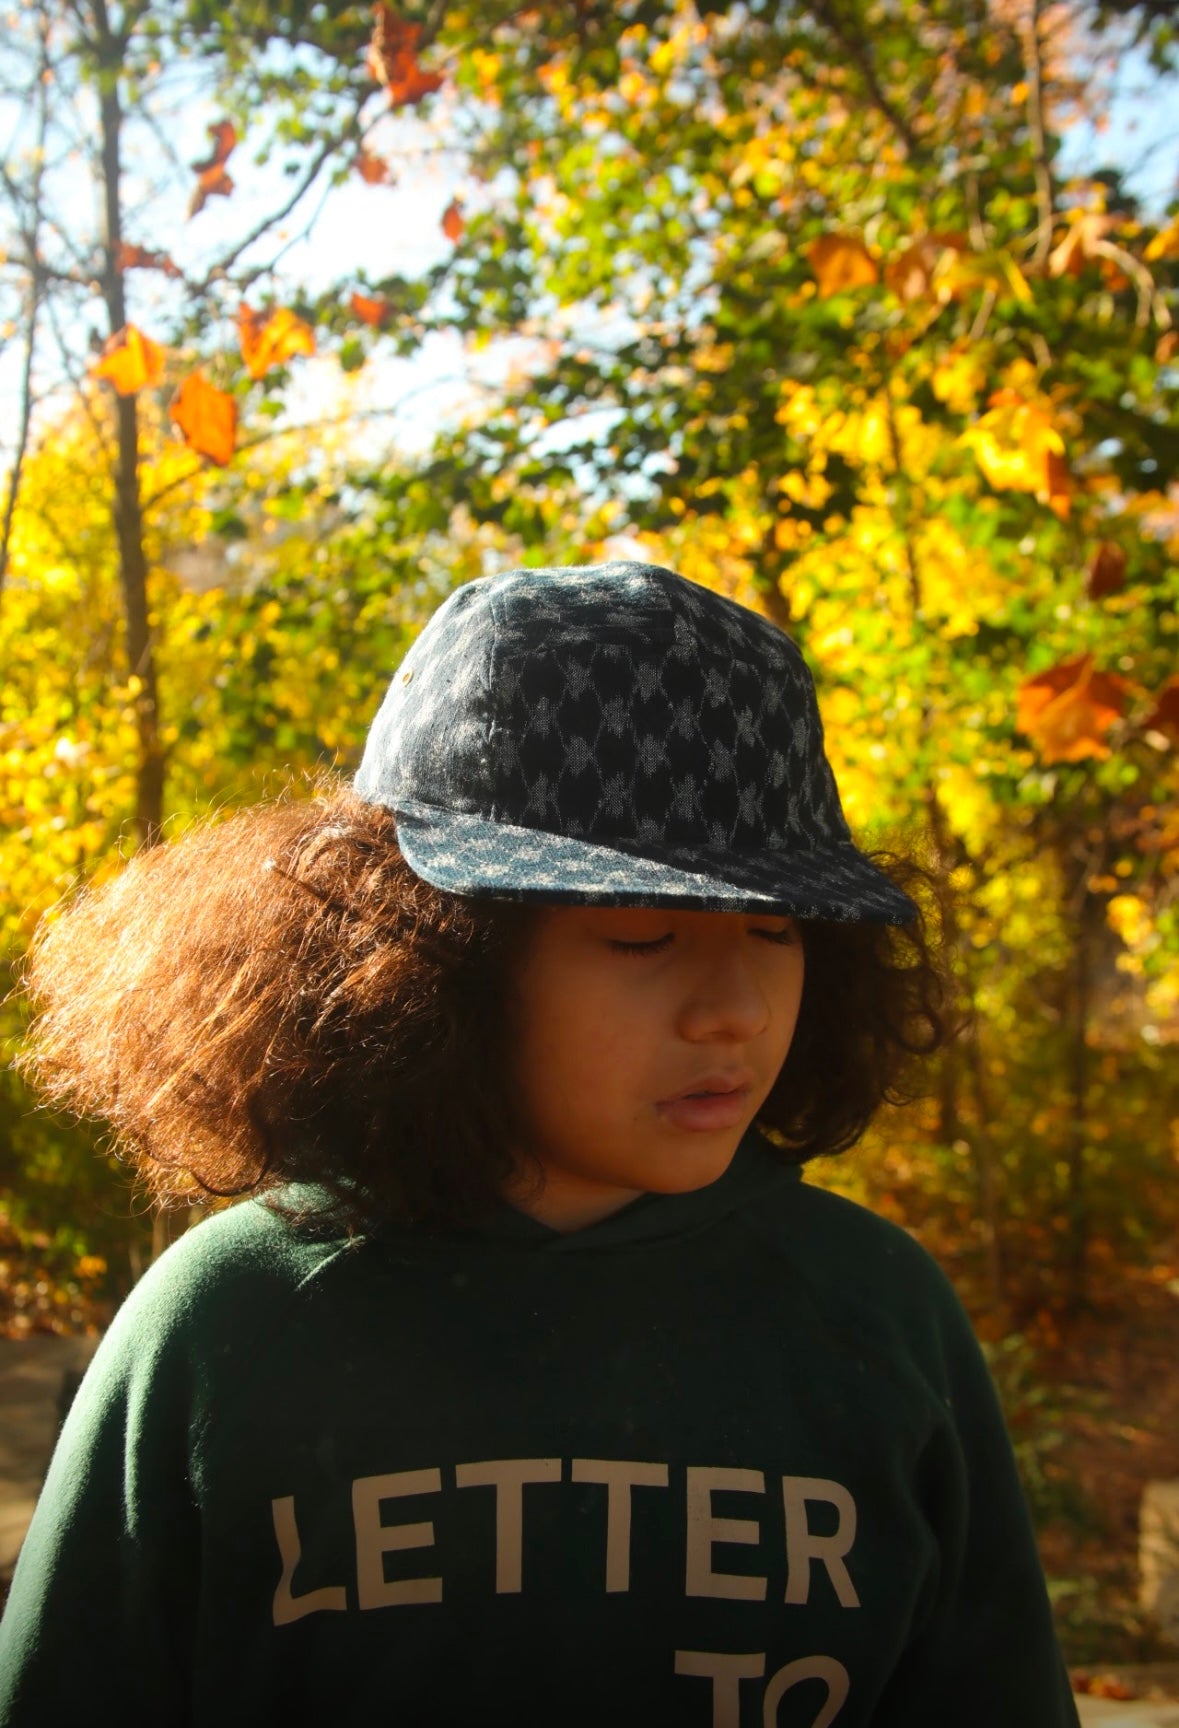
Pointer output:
x,y
130,361
207,417
270,340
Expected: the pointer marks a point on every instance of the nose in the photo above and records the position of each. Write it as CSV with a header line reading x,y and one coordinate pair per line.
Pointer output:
x,y
725,1002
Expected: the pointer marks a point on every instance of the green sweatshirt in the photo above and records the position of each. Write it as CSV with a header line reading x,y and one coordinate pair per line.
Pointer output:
x,y
729,1458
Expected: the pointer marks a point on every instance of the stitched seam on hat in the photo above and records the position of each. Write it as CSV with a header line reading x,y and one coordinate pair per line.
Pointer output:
x,y
493,771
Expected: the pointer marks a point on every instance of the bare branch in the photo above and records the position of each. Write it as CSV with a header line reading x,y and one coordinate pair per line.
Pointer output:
x,y
36,289
350,129
1045,191
78,382
1149,298
851,42
272,434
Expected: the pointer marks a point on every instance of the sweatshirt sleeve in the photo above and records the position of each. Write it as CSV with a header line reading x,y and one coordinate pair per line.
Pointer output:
x,y
987,1651
100,1618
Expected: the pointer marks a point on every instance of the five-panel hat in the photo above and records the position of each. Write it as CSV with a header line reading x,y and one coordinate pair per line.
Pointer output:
x,y
614,735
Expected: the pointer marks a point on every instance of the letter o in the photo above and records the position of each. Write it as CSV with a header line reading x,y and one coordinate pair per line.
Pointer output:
x,y
808,1668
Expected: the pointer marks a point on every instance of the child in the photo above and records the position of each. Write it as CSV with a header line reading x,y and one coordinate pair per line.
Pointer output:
x,y
532,1386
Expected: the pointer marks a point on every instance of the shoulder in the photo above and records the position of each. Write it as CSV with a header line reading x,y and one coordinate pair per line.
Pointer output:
x,y
865,1273
856,1234
230,1277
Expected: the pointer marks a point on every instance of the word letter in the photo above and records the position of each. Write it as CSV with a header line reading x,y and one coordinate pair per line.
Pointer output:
x,y
803,1546
726,1673
704,1530
508,1476
619,1477
286,1606
824,1668
374,1540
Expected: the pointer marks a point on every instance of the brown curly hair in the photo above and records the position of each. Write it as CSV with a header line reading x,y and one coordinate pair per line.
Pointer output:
x,y
276,998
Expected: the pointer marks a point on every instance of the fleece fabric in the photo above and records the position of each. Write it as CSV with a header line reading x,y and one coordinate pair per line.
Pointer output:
x,y
728,1459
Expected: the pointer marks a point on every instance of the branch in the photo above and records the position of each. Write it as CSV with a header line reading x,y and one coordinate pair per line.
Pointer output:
x,y
1149,298
36,288
327,149
78,381
326,423
1045,193
853,47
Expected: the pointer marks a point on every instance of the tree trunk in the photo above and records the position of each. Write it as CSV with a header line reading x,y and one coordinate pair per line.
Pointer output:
x,y
983,1149
1076,1256
128,515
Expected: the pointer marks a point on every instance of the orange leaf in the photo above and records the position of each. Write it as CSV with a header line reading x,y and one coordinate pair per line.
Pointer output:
x,y
371,310
373,170
1103,1686
1107,571
840,262
1058,483
269,341
139,258
392,58
452,221
910,274
224,136
213,183
1165,715
130,360
207,417
212,180
1067,710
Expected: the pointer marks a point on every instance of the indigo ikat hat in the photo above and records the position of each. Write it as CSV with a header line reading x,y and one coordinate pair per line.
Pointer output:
x,y
614,735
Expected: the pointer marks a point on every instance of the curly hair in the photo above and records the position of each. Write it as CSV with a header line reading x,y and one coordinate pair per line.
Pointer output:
x,y
277,998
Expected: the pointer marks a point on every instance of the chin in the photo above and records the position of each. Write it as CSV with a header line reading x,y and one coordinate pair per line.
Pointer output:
x,y
690,1169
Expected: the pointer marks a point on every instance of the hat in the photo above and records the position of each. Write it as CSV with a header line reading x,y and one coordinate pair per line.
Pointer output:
x,y
614,735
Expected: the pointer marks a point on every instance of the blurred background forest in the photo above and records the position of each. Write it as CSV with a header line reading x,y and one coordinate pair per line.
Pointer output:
x,y
847,308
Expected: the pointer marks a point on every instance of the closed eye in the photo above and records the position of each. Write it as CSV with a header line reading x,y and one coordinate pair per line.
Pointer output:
x,y
655,947
781,938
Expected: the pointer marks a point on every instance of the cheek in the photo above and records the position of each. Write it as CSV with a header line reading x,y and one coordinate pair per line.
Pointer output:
x,y
580,1040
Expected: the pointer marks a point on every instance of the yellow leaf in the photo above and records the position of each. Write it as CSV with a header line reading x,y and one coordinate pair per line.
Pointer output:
x,y
1165,243
970,271
130,361
1014,444
267,342
958,380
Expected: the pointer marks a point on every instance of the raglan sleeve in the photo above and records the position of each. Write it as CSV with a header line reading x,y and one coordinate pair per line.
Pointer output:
x,y
985,1651
99,1623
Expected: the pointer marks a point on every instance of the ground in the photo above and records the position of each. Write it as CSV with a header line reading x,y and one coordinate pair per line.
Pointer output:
x,y
1108,1424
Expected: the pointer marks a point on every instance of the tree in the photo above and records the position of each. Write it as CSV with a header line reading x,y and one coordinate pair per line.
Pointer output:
x,y
799,301
92,93
823,325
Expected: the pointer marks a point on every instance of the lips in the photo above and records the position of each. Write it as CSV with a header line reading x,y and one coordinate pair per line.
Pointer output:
x,y
712,1086
714,1103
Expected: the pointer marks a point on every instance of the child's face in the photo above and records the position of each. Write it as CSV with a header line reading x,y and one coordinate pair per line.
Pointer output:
x,y
648,1042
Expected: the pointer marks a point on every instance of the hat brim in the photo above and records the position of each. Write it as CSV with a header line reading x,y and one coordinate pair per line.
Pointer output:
x,y
472,855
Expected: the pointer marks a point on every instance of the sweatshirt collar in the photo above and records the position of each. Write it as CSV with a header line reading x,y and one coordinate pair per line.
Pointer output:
x,y
756,1169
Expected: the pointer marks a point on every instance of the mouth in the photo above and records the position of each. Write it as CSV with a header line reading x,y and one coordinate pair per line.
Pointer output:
x,y
707,1107
710,1088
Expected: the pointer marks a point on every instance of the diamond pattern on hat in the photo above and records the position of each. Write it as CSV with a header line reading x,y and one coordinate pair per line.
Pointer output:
x,y
605,732
610,743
